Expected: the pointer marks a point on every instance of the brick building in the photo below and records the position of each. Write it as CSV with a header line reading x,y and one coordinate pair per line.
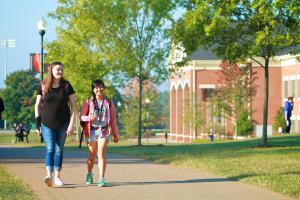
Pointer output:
x,y
197,80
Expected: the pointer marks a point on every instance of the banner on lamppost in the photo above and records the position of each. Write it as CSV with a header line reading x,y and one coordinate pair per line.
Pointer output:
x,y
35,63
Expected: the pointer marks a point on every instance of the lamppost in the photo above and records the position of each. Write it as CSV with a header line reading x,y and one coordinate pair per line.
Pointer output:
x,y
119,104
7,43
147,102
41,24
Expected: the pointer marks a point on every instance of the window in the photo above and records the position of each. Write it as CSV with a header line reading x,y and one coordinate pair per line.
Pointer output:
x,y
292,92
297,124
298,95
293,126
285,89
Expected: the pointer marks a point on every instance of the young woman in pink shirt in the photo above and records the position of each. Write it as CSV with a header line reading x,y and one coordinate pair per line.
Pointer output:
x,y
99,116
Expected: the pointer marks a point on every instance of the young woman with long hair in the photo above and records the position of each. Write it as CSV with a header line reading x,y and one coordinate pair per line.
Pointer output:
x,y
54,120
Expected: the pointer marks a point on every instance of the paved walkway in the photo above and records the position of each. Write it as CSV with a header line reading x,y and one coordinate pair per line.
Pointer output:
x,y
130,178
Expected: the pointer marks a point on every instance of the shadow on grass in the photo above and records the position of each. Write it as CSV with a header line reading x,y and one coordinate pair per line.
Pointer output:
x,y
244,176
190,181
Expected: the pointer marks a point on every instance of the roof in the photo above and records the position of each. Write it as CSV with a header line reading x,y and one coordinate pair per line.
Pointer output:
x,y
288,50
203,54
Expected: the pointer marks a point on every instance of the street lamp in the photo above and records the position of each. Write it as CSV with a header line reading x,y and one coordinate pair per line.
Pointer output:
x,y
7,43
41,24
147,102
119,104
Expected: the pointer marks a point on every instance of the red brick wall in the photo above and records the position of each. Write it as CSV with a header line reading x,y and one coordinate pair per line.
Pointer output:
x,y
275,92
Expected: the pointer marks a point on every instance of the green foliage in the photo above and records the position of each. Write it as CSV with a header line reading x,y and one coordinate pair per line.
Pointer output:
x,y
150,115
244,124
240,29
81,63
163,109
118,40
19,97
130,117
279,120
233,95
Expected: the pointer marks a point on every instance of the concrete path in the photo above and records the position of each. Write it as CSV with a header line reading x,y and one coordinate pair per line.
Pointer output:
x,y
130,179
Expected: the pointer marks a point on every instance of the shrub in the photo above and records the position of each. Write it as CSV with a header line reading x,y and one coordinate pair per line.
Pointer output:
x,y
279,120
244,124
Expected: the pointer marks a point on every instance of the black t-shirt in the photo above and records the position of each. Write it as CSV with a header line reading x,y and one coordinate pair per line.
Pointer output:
x,y
55,111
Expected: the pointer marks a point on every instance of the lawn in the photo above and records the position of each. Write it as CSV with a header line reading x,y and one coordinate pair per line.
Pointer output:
x,y
12,188
276,167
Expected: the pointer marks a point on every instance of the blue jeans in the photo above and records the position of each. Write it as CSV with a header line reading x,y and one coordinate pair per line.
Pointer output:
x,y
54,140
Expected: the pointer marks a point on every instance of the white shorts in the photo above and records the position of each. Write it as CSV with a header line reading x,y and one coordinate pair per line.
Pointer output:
x,y
93,137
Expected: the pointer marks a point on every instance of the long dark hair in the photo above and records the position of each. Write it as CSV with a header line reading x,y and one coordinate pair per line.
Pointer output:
x,y
96,83
49,80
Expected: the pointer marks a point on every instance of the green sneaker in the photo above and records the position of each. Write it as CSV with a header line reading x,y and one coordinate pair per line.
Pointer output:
x,y
89,179
102,183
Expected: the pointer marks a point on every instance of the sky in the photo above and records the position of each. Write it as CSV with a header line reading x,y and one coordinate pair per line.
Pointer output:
x,y
18,21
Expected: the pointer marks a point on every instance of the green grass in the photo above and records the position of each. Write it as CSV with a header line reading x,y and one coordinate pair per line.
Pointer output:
x,y
34,140
12,188
276,167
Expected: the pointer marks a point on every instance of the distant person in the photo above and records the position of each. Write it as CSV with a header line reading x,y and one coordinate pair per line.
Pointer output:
x,y
15,125
20,131
54,120
99,116
288,108
166,137
1,107
211,135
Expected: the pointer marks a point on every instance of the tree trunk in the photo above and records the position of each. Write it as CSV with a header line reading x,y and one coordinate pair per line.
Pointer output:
x,y
140,108
266,101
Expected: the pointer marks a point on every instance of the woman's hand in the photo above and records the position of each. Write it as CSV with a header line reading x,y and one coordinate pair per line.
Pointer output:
x,y
70,130
115,139
93,118
39,131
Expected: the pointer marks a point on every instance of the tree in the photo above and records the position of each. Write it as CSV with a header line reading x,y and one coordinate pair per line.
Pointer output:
x,y
239,30
234,93
82,62
131,36
131,97
19,96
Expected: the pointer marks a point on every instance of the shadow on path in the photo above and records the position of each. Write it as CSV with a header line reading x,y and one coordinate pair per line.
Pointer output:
x,y
141,183
27,155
